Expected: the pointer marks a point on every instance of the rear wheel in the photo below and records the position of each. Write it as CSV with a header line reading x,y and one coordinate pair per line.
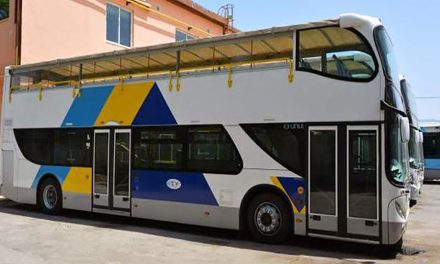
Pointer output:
x,y
50,197
269,218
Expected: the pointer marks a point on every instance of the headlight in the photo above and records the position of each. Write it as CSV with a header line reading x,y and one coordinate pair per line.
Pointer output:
x,y
400,210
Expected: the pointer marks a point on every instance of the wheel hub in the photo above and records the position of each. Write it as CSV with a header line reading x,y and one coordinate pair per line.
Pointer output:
x,y
50,197
267,219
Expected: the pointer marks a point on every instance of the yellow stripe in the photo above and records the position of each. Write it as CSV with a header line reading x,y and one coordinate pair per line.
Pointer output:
x,y
78,180
124,103
277,183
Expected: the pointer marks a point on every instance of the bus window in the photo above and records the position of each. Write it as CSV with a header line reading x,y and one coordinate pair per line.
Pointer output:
x,y
207,149
211,150
157,148
336,52
61,147
431,145
283,142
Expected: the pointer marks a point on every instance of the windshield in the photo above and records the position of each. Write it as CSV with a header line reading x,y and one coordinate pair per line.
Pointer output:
x,y
409,97
422,154
397,150
414,149
386,50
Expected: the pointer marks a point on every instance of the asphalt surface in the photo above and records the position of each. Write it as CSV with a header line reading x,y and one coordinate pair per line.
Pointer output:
x,y
28,236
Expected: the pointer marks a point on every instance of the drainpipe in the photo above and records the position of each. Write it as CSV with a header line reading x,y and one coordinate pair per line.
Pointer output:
x,y
18,23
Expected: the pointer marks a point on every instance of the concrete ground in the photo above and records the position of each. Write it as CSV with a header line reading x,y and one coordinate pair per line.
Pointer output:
x,y
28,236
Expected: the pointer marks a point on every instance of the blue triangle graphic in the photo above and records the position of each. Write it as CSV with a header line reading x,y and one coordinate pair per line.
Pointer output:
x,y
154,110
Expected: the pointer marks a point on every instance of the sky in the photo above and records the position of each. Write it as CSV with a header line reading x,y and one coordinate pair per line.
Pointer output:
x,y
414,26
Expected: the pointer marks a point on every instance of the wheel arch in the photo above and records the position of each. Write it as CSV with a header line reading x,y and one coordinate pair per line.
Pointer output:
x,y
42,180
254,191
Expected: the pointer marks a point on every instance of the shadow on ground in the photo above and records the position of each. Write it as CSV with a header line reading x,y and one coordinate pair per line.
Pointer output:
x,y
296,246
436,182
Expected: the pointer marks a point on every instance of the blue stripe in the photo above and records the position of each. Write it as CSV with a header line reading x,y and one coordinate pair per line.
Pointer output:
x,y
153,185
154,110
58,171
85,109
432,164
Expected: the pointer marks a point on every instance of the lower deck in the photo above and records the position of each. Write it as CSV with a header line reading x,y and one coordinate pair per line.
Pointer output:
x,y
339,197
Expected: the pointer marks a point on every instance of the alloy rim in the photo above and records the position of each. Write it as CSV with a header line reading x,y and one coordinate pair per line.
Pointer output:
x,y
267,219
50,197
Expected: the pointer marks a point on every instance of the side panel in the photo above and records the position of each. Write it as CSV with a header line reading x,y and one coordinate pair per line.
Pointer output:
x,y
268,97
187,213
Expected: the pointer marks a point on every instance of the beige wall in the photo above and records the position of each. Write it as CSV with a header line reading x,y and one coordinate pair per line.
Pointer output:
x,y
7,42
54,29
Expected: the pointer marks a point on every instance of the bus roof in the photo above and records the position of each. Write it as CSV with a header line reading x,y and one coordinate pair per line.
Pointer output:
x,y
267,45
430,123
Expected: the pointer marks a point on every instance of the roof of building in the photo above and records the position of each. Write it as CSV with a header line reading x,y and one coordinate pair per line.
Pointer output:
x,y
201,10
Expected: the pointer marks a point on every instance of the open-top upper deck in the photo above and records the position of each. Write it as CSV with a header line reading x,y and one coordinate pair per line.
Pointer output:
x,y
227,52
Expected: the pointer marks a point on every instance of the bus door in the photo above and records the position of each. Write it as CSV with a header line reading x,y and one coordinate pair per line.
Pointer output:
x,y
111,169
343,168
363,181
323,179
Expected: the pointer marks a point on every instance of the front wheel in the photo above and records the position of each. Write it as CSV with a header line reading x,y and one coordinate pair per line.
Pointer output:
x,y
391,251
269,218
50,197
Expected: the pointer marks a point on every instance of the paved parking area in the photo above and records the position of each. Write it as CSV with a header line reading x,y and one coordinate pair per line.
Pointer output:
x,y
28,236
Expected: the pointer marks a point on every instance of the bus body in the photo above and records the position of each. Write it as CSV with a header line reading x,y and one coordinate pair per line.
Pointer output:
x,y
295,130
431,145
415,144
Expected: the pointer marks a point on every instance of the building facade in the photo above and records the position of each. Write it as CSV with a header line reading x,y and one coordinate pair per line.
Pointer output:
x,y
42,30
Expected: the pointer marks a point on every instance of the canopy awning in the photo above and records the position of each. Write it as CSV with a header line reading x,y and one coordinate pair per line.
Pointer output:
x,y
267,45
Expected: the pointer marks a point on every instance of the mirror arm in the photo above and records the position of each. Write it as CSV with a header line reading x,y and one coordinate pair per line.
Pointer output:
x,y
384,105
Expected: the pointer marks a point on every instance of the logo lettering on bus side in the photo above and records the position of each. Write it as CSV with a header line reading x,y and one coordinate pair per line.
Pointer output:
x,y
174,184
293,126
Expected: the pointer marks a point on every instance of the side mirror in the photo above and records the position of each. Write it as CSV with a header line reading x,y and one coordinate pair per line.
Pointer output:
x,y
404,129
421,137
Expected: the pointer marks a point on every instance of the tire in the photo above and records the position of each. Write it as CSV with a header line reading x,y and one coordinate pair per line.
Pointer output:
x,y
269,218
391,251
412,203
50,197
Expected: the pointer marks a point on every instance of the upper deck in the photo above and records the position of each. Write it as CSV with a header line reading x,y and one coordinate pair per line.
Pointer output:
x,y
261,47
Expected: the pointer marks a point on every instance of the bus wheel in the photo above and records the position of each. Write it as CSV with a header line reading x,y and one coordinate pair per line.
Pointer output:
x,y
50,197
391,251
268,218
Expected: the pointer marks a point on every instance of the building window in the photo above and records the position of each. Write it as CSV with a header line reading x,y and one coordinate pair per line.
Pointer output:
x,y
4,9
182,36
62,147
118,25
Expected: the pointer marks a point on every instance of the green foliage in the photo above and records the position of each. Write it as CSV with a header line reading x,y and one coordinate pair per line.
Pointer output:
x,y
4,9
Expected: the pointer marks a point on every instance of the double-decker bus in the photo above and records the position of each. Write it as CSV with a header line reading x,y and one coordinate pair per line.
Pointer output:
x,y
431,146
415,144
290,130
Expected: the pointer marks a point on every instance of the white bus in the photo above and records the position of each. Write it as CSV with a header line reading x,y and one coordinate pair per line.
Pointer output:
x,y
297,130
415,144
